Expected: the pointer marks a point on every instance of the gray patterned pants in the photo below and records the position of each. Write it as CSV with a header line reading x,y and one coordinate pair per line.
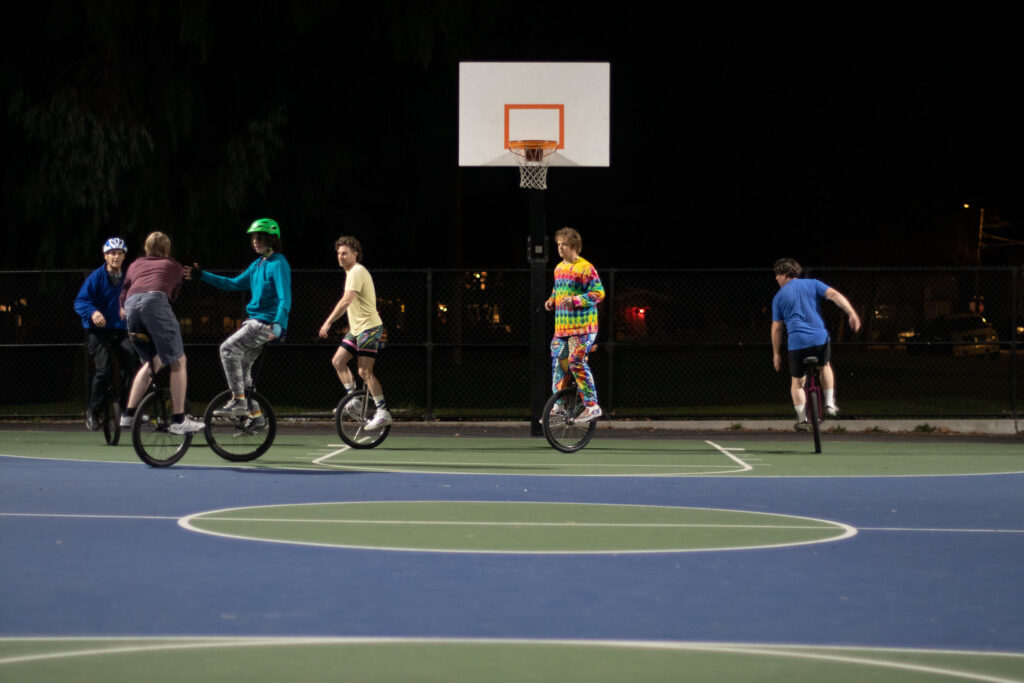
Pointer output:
x,y
240,350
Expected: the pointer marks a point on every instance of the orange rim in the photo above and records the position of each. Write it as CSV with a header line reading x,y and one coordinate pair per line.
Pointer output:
x,y
523,147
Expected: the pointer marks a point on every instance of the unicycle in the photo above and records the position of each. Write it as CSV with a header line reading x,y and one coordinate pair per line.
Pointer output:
x,y
154,443
354,410
114,388
815,401
246,437
559,423
110,415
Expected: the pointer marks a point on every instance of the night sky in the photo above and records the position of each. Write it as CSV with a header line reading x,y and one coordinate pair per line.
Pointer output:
x,y
738,136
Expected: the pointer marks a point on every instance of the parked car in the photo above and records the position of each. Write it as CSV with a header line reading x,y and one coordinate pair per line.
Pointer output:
x,y
959,335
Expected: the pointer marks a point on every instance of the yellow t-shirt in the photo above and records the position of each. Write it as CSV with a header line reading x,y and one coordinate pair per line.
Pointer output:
x,y
362,312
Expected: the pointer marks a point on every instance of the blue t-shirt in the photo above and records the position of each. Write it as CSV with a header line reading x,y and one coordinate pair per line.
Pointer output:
x,y
798,305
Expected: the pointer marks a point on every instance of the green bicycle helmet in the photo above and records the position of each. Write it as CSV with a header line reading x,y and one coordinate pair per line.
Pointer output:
x,y
267,225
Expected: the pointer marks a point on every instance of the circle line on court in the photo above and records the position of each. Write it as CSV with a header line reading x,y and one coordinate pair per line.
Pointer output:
x,y
515,528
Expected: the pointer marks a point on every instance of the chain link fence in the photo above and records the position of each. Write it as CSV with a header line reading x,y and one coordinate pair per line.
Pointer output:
x,y
673,343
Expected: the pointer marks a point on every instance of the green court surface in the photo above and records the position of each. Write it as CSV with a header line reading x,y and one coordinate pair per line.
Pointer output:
x,y
733,455
261,660
494,527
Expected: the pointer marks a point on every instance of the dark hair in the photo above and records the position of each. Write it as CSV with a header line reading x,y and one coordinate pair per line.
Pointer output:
x,y
788,267
266,239
352,243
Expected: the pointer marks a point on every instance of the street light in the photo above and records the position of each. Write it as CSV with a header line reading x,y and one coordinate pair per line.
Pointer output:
x,y
981,230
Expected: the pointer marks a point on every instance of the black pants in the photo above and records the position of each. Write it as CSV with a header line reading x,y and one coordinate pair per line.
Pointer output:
x,y
102,344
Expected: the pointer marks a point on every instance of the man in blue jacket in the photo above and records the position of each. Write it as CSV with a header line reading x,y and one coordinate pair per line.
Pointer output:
x,y
269,278
98,305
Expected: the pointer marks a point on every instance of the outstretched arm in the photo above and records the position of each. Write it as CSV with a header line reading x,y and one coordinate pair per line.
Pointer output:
x,y
241,282
842,302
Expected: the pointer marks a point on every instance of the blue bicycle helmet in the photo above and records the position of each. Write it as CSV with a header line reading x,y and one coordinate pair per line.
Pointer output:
x,y
113,244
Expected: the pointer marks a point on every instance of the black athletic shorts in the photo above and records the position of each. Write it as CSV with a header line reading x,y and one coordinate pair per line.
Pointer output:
x,y
796,357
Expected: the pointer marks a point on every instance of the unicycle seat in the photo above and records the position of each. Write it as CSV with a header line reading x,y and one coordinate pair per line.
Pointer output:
x,y
142,340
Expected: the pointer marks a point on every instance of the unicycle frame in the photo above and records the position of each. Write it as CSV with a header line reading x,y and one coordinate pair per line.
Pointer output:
x,y
815,402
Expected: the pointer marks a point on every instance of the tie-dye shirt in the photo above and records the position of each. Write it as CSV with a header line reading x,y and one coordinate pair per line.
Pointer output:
x,y
577,292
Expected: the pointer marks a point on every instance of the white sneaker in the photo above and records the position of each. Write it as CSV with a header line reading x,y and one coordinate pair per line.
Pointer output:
x,y
588,414
559,409
127,421
831,410
381,419
189,425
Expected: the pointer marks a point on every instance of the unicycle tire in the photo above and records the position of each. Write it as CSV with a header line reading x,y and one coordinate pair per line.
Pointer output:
x,y
354,410
240,439
110,418
814,407
154,443
560,429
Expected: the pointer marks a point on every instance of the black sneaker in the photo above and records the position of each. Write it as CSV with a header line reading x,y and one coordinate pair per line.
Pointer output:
x,y
251,425
91,423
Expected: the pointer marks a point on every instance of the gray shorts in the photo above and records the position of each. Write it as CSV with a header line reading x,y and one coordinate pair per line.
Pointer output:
x,y
151,313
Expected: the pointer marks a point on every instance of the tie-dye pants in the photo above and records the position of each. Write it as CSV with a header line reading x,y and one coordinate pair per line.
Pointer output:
x,y
569,354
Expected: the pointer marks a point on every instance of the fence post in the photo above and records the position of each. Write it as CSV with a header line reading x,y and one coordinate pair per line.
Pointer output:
x,y
609,400
430,344
1015,283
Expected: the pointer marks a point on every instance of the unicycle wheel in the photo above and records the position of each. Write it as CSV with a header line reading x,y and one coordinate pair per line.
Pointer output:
x,y
111,420
350,418
559,421
240,439
154,443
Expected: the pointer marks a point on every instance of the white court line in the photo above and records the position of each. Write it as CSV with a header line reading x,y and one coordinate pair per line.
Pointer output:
x,y
46,514
189,523
952,531
544,463
392,464
320,460
862,656
449,523
746,467
574,525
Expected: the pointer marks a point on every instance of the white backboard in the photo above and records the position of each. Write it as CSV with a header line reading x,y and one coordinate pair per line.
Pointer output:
x,y
567,102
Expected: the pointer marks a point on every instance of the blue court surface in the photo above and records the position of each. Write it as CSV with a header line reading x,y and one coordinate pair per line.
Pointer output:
x,y
470,556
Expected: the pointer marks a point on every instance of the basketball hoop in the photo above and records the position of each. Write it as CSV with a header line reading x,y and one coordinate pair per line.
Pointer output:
x,y
532,157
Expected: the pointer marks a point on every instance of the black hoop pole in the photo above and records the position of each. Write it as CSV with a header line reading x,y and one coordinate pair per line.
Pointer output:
x,y
540,351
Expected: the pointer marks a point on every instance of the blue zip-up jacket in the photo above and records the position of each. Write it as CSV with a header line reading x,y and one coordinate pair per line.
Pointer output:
x,y
270,280
97,294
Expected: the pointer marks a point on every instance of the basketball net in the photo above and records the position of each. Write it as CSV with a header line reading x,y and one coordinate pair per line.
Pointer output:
x,y
532,157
